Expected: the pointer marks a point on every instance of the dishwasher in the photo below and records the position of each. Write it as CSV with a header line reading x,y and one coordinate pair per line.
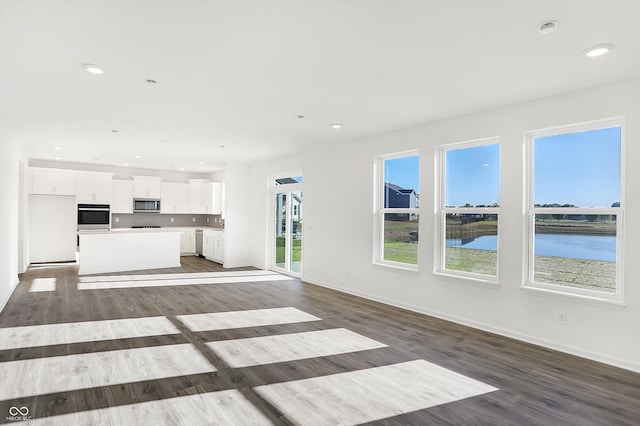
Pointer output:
x,y
199,242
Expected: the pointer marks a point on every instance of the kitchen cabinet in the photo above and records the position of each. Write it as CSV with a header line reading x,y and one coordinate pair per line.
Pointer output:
x,y
174,198
121,196
218,246
196,186
205,197
213,245
208,244
93,187
52,181
188,242
217,198
147,187
199,196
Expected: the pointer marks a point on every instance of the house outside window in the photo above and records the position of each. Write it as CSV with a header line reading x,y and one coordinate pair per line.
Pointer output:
x,y
468,210
396,206
576,210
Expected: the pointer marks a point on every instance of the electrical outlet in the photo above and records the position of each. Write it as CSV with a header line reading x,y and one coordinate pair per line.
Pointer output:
x,y
193,220
207,220
172,220
117,219
562,319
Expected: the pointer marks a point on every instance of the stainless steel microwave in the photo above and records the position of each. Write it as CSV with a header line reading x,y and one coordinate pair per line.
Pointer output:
x,y
146,205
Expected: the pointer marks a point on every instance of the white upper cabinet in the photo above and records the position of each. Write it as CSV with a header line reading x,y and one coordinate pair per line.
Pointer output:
x,y
207,190
175,198
122,196
196,187
93,187
206,197
217,198
147,187
52,181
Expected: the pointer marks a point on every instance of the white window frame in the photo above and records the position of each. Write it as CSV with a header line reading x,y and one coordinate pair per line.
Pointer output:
x,y
442,210
379,211
530,211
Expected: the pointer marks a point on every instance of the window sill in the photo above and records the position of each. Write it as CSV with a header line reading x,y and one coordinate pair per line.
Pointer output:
x,y
397,267
576,298
466,279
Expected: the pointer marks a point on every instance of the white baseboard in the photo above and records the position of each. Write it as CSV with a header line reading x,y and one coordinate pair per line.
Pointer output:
x,y
6,299
550,344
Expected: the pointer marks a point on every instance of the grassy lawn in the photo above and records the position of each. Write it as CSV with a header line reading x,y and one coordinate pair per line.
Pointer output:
x,y
280,254
595,275
400,245
401,252
456,229
471,260
568,272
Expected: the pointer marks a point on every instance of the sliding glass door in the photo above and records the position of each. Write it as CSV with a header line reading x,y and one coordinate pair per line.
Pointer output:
x,y
287,231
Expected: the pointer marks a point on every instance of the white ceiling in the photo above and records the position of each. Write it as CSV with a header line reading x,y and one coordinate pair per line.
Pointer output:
x,y
238,72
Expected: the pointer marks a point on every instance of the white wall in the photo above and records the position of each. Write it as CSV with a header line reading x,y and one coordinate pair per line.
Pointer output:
x,y
338,227
237,226
9,199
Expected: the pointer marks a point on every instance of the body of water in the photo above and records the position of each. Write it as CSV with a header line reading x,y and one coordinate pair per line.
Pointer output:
x,y
592,247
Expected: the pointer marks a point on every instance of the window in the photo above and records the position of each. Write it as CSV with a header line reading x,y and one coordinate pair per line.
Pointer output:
x,y
397,209
469,207
575,210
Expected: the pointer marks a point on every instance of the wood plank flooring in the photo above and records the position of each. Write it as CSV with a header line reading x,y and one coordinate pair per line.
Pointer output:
x,y
158,347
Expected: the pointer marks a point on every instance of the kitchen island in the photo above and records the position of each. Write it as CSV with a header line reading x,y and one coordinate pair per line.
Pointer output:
x,y
128,250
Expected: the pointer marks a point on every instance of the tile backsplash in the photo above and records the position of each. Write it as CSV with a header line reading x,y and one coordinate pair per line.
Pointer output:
x,y
164,220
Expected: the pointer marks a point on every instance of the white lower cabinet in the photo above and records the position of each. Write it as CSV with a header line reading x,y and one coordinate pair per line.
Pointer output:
x,y
218,246
213,245
188,242
207,244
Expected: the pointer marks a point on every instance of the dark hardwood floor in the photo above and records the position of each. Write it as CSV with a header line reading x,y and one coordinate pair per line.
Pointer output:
x,y
537,386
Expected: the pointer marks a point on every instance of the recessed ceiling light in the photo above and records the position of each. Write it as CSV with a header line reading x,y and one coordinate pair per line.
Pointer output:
x,y
93,68
181,169
547,27
57,148
125,164
201,163
336,126
137,156
599,50
56,158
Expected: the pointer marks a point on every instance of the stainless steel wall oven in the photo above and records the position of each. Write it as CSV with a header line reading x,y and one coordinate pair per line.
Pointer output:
x,y
94,216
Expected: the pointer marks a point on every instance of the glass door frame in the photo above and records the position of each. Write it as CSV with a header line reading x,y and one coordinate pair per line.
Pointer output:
x,y
288,189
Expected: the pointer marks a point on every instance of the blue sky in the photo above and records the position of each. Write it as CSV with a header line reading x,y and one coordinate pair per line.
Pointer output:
x,y
473,176
574,168
403,172
578,168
